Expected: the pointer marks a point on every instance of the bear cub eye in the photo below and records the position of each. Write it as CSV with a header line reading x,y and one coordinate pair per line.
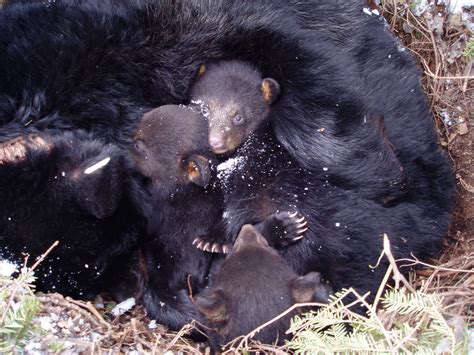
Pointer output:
x,y
238,120
205,111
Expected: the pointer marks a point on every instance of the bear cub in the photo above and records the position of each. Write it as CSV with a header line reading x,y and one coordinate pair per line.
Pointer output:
x,y
172,156
236,101
253,285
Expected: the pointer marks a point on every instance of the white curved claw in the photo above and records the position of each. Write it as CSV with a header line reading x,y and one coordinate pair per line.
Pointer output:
x,y
215,248
302,231
293,214
298,238
301,225
300,220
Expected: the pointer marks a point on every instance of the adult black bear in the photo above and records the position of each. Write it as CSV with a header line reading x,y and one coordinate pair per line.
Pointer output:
x,y
91,69
254,285
71,188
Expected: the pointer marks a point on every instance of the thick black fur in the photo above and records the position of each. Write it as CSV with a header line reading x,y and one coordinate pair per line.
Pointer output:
x,y
99,67
47,195
349,212
84,62
254,285
172,153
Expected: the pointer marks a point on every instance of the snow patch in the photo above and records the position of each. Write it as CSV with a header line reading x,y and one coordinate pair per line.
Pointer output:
x,y
152,324
230,164
419,7
227,168
7,268
370,12
456,6
123,307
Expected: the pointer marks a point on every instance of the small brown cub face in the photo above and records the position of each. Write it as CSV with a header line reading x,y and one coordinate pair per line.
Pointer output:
x,y
235,99
254,285
170,147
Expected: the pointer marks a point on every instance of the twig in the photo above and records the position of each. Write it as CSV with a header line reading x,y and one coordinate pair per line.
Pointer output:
x,y
397,275
88,306
416,261
43,256
57,299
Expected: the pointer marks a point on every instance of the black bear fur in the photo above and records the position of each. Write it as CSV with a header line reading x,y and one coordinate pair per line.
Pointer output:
x,y
48,194
351,125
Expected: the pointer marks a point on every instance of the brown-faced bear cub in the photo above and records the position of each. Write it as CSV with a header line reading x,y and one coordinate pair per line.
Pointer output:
x,y
235,100
254,285
172,155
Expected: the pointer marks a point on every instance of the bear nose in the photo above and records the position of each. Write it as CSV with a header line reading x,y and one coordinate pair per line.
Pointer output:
x,y
216,142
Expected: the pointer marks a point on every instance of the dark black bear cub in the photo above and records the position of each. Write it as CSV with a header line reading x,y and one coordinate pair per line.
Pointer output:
x,y
236,101
71,188
254,285
172,154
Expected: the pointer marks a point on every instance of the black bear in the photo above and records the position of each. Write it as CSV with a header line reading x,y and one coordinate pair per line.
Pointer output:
x,y
235,100
70,187
100,70
253,285
184,203
172,154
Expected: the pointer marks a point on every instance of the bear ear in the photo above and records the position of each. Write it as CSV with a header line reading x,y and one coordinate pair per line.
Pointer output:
x,y
270,90
197,170
212,306
98,186
305,287
201,70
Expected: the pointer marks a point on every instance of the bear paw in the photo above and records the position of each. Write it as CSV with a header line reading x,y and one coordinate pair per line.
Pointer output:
x,y
210,246
284,228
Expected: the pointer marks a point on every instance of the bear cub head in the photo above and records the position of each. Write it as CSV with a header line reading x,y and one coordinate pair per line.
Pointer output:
x,y
236,101
254,285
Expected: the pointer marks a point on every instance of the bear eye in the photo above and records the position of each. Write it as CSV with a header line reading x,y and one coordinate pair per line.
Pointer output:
x,y
205,110
238,120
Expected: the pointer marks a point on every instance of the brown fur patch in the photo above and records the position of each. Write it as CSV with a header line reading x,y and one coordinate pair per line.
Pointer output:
x,y
201,70
192,171
266,91
14,150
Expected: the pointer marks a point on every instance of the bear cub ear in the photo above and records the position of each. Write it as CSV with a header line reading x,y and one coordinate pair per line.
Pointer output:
x,y
213,306
197,170
309,288
270,90
201,70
